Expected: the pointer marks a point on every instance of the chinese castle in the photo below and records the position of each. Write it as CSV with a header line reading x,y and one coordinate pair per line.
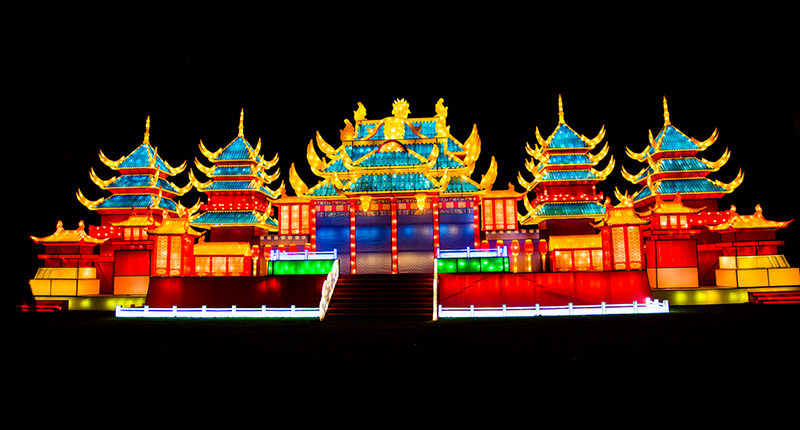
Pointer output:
x,y
393,220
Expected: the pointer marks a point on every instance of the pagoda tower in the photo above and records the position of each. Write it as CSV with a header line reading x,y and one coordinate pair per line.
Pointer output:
x,y
564,180
673,167
239,199
397,187
142,184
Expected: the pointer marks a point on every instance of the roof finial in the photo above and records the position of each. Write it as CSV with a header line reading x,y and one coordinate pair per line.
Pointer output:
x,y
666,112
241,123
560,110
147,131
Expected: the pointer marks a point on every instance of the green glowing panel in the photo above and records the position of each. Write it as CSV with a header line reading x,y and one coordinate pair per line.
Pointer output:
x,y
301,267
472,265
447,265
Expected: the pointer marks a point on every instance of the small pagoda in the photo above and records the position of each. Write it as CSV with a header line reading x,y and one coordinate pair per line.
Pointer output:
x,y
142,184
397,187
673,167
239,197
750,252
564,180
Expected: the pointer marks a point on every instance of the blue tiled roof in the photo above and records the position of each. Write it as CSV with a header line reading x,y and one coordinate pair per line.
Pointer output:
x,y
233,171
140,157
236,150
336,166
357,151
684,186
561,159
392,182
232,217
136,181
120,201
675,165
388,159
568,175
674,140
325,189
555,209
460,185
564,138
229,185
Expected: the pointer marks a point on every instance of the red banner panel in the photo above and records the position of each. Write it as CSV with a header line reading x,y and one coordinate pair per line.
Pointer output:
x,y
245,292
546,289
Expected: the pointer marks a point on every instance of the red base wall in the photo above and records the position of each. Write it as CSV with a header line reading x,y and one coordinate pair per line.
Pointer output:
x,y
244,292
546,289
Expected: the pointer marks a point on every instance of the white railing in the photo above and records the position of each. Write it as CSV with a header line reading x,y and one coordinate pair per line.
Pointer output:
x,y
435,292
206,312
472,253
649,307
277,255
327,289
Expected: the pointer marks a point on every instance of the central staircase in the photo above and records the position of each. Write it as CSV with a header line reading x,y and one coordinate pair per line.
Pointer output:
x,y
382,296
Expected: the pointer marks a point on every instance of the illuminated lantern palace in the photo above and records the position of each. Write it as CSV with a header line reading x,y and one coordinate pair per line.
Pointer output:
x,y
395,190
393,208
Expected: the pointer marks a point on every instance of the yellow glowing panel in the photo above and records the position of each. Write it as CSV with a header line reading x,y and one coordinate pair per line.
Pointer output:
x,y
88,287
131,285
784,276
597,259
582,260
488,217
56,273
175,255
752,278
634,248
162,247
618,241
511,214
202,265
674,277
87,273
285,220
236,265
563,260
64,287
727,263
218,265
498,215
40,287
726,278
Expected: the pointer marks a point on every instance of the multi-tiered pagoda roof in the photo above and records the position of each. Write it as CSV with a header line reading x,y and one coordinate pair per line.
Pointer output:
x,y
564,174
142,182
238,185
673,167
395,155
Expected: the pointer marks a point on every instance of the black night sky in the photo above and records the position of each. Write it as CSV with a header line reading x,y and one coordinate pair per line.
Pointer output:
x,y
81,86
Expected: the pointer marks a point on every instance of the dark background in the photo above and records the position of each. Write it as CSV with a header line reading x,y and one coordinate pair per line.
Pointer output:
x,y
84,84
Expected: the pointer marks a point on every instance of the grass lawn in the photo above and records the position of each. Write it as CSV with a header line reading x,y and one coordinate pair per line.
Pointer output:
x,y
719,354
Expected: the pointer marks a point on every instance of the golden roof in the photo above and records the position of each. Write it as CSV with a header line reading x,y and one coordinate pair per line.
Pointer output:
x,y
69,236
621,214
578,241
137,220
747,222
674,206
223,248
509,193
177,226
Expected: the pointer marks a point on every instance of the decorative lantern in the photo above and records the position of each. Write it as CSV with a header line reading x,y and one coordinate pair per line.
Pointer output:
x,y
543,251
514,253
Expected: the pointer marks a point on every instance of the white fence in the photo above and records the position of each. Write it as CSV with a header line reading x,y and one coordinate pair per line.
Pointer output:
x,y
649,307
206,312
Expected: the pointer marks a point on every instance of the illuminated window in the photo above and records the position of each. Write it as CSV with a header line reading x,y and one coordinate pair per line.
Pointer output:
x,y
175,256
634,248
663,220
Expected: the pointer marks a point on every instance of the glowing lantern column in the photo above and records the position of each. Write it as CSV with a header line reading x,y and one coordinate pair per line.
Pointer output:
x,y
352,205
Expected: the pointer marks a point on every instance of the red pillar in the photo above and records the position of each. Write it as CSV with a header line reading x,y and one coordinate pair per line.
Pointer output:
x,y
394,235
353,236
435,207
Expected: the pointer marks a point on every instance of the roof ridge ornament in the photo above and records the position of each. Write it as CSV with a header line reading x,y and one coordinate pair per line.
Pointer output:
x,y
560,111
666,113
241,124
146,139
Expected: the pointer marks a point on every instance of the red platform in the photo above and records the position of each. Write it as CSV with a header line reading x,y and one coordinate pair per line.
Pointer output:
x,y
246,292
545,289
